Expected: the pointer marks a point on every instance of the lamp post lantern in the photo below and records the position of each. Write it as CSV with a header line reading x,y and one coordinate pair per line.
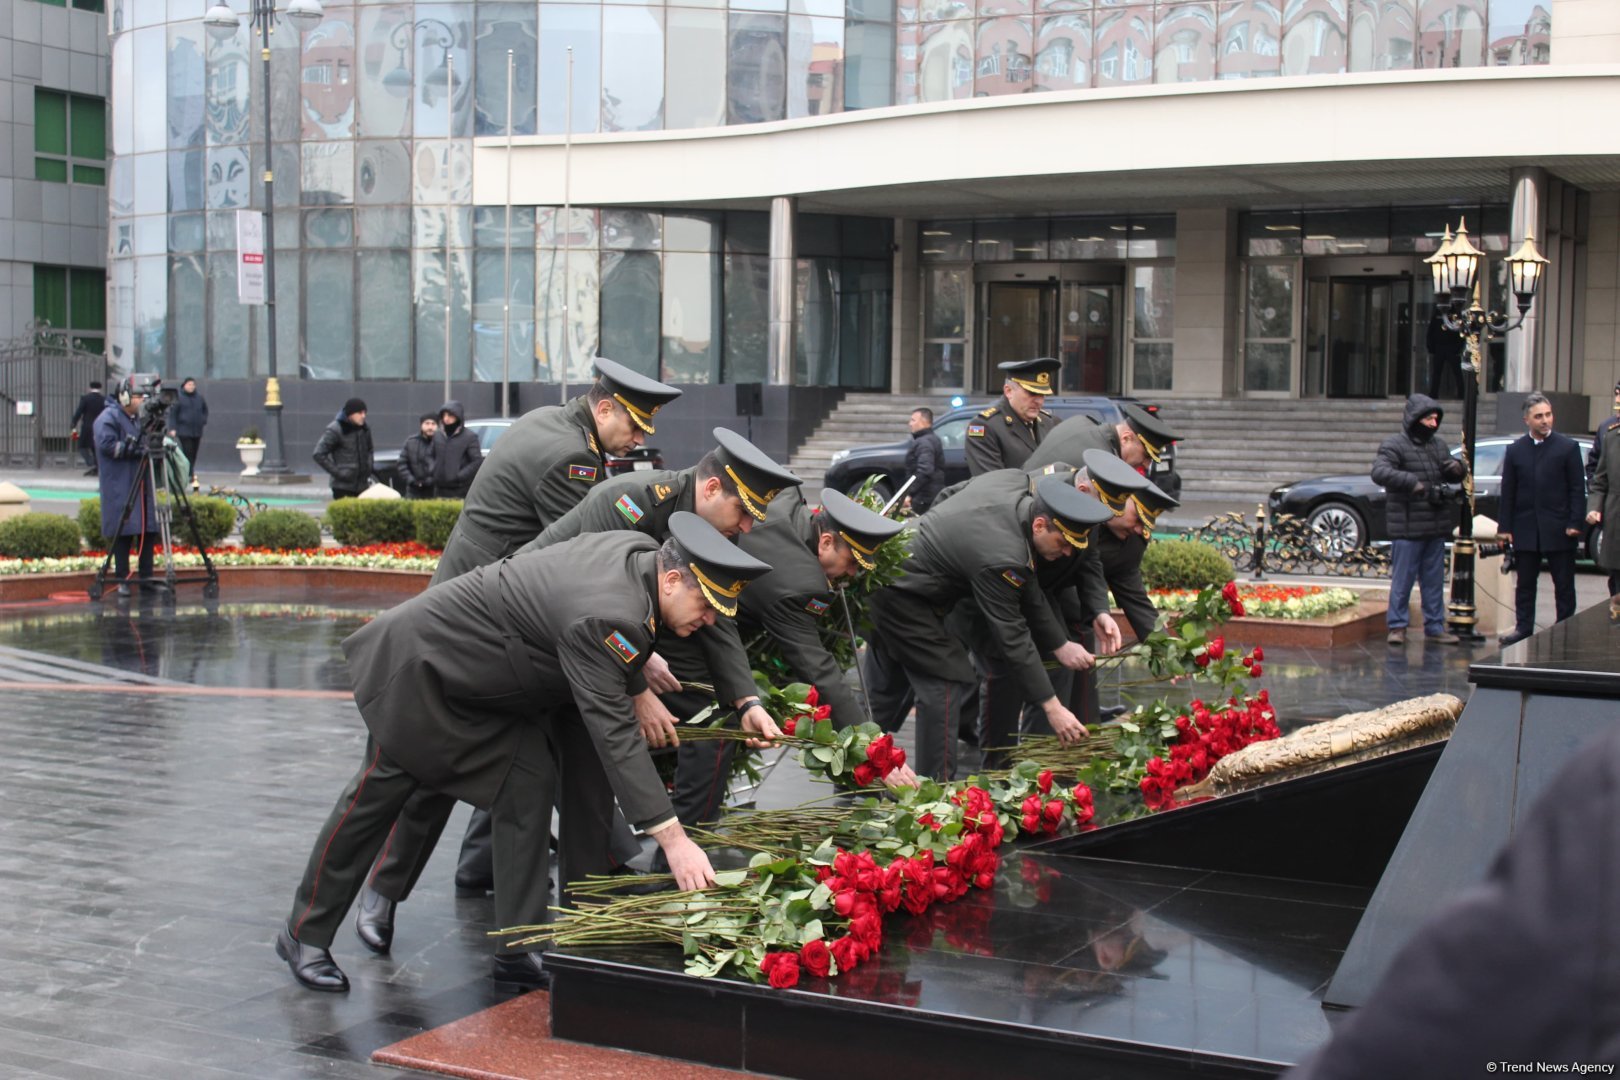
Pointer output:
x,y
1455,268
222,23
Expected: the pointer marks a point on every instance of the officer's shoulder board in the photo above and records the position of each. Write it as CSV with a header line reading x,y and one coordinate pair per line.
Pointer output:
x,y
991,411
1015,578
661,493
975,431
583,473
590,441
621,646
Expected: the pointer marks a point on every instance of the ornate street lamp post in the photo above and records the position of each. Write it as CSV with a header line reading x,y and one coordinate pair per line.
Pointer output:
x,y
223,23
1455,267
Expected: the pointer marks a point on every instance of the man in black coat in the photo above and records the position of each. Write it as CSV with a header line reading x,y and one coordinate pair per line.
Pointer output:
x,y
925,459
344,451
506,687
187,418
1419,474
457,453
1519,969
1543,506
84,421
416,459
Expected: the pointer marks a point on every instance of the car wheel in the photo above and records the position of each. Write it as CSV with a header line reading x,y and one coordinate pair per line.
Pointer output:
x,y
882,488
1594,542
1339,526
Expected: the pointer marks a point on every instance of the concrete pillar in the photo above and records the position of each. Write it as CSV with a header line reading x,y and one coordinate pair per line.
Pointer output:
x,y
905,351
784,214
1206,304
1529,218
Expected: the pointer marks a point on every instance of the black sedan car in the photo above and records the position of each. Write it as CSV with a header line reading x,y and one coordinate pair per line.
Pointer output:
x,y
385,463
1348,511
887,461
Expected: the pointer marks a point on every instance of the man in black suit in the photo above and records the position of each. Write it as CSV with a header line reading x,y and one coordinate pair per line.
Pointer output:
x,y
84,422
1543,496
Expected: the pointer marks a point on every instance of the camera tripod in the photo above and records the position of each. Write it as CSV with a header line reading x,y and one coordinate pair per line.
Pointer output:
x,y
151,450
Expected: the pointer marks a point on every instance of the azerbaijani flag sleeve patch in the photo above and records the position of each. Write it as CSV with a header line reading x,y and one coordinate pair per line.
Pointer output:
x,y
976,431
620,646
1013,578
586,473
627,506
816,607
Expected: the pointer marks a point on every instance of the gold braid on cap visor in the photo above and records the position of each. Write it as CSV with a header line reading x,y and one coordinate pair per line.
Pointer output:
x,y
1042,388
1153,452
860,552
1148,516
1077,539
750,497
643,417
713,591
1115,502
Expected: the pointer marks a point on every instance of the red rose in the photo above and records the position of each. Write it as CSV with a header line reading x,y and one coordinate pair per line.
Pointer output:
x,y
844,902
1217,648
1229,592
1259,653
864,775
816,958
896,759
1255,671
785,972
869,930
821,712
1044,781
790,726
846,952
1237,608
812,698
1201,660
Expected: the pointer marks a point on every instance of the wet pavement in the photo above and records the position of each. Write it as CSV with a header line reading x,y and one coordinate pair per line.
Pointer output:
x,y
166,769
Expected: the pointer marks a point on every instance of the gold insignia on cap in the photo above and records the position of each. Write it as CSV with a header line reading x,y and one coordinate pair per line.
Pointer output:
x,y
1077,539
749,496
1152,450
1040,384
861,552
713,591
1044,377
642,417
1149,517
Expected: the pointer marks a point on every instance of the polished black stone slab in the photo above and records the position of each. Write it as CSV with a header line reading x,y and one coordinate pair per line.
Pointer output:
x,y
1089,966
1580,655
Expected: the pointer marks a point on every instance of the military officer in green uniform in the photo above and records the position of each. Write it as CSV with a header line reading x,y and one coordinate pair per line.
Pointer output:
x,y
546,462
1008,431
1139,438
540,469
505,687
981,546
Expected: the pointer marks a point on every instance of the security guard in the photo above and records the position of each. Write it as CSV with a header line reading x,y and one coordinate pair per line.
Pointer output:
x,y
981,546
546,462
499,688
1139,437
540,469
1005,434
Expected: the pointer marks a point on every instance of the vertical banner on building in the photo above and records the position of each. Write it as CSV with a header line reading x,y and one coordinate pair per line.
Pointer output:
x,y
250,257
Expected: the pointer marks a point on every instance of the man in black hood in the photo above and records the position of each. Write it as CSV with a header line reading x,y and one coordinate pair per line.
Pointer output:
x,y
456,453
1419,474
345,451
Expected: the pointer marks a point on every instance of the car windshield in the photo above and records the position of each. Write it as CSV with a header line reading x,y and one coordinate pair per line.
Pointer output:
x,y
488,432
950,432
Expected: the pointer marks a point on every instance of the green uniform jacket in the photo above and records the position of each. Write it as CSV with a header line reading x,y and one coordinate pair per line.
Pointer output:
x,y
998,439
977,545
1069,441
794,601
1604,496
644,501
435,680
1122,567
541,468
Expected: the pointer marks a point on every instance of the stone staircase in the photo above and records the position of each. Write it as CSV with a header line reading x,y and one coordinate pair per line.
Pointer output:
x,y
1235,448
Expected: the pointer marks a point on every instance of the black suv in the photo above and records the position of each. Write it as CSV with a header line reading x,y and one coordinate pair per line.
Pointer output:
x,y
385,463
850,468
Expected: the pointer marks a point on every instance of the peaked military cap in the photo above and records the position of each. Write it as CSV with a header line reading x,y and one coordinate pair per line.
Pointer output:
x,y
1073,512
862,529
757,477
1154,434
640,396
1115,481
1038,376
721,567
1152,501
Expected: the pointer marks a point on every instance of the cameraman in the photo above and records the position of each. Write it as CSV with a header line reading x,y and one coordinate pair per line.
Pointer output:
x,y
121,459
1421,478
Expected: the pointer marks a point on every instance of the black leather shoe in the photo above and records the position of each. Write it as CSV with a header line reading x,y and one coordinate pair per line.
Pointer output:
x,y
374,922
311,966
522,970
1513,637
1111,712
467,888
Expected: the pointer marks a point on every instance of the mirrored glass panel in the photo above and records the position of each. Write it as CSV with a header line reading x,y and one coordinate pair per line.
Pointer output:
x,y
1249,37
573,276
690,232
1153,363
1313,41
328,345
385,296
1063,51
633,68
868,65
945,61
946,241
188,82
384,226
747,307
442,70
443,171
1022,240
1186,43
945,302
815,79
1267,366
228,321
563,26
150,116
1383,35
493,277
225,107
631,287
439,358
122,105
151,312
328,173
815,311
634,230
944,10
1270,304
383,171
1088,238
489,227
1004,61
327,82
1451,33
865,307
907,60
188,312
1272,232
384,63
691,317
695,76
328,228
1347,232
1151,236
1123,46
1153,291
1520,32
506,29
756,69
187,233
186,175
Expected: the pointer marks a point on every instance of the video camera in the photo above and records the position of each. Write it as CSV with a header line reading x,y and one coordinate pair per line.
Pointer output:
x,y
1440,494
154,411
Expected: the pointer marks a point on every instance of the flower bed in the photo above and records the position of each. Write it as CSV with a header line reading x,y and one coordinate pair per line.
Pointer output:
x,y
1270,601
409,556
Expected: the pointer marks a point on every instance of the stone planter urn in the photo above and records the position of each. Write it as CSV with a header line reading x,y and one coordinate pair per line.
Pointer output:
x,y
252,453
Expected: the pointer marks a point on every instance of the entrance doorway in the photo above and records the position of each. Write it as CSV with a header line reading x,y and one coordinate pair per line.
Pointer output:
x,y
1079,322
1358,336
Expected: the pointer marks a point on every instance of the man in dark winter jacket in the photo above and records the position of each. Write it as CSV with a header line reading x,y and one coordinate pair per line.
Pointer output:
x,y
925,459
456,453
416,459
187,418
84,421
345,451
1420,476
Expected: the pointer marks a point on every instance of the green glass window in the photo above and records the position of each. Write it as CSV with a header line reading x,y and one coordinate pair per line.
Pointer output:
x,y
74,301
70,137
55,3
86,5
87,299
51,295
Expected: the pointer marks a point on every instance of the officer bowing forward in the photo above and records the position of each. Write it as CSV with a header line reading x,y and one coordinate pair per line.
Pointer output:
x,y
505,687
981,546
